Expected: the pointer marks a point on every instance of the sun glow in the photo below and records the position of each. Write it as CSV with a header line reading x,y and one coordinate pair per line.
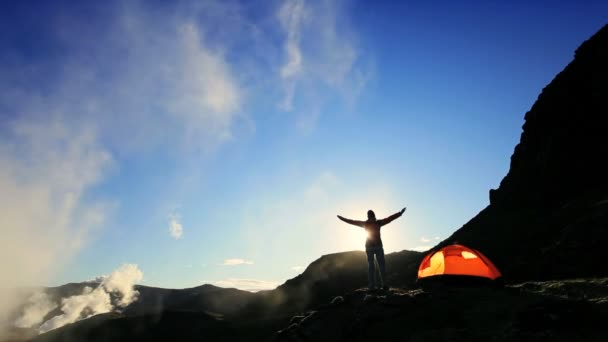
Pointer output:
x,y
349,237
352,238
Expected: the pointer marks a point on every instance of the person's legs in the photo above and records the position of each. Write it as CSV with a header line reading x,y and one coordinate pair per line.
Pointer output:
x,y
370,270
382,266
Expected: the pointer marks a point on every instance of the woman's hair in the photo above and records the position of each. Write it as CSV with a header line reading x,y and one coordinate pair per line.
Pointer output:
x,y
371,215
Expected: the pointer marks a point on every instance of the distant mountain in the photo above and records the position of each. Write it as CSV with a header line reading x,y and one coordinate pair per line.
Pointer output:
x,y
205,298
330,276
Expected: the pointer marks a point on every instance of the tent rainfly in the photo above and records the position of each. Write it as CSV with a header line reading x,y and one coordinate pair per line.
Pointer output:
x,y
457,260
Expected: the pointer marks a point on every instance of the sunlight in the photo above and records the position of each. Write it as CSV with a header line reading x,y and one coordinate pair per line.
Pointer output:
x,y
351,238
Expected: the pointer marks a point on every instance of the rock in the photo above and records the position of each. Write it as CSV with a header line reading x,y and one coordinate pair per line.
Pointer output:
x,y
529,311
337,300
369,298
296,319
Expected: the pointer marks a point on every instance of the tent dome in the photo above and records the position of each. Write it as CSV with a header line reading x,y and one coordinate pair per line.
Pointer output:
x,y
457,260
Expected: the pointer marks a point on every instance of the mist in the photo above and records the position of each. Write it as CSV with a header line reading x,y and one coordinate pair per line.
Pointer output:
x,y
47,166
113,293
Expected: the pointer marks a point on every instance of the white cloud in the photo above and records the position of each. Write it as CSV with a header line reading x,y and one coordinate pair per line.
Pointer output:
x,y
116,291
291,15
167,86
175,227
424,239
204,93
236,262
252,285
320,55
423,248
298,268
175,90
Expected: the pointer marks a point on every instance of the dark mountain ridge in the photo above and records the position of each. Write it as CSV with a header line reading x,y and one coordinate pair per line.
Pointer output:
x,y
548,218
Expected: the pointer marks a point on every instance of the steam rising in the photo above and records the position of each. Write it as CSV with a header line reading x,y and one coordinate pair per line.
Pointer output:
x,y
36,309
47,167
113,293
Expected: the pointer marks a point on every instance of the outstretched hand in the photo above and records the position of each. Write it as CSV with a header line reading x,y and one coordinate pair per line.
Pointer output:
x,y
403,210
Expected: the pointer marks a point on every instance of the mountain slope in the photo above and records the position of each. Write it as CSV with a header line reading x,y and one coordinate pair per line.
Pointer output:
x,y
330,276
205,298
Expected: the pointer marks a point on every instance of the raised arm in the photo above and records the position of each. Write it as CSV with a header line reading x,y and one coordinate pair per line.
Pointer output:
x,y
389,219
353,222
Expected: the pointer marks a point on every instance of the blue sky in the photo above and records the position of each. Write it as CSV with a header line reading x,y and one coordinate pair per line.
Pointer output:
x,y
215,141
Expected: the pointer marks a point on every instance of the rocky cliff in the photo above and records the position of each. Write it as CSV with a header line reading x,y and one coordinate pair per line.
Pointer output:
x,y
548,219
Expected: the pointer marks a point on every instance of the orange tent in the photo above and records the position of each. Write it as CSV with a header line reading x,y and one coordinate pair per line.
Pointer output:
x,y
457,260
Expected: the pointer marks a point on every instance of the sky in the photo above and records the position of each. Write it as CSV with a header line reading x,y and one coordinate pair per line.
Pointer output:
x,y
216,141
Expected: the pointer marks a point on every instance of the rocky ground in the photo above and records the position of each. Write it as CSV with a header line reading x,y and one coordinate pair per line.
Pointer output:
x,y
567,310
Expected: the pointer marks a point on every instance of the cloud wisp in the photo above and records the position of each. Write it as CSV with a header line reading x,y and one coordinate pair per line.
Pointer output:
x,y
425,246
290,16
321,57
422,248
298,268
176,229
251,285
424,239
237,262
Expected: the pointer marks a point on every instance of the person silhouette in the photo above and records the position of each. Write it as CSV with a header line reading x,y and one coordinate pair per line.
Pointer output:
x,y
373,245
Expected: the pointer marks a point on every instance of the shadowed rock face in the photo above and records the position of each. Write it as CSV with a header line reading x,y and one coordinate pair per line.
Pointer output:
x,y
562,152
549,217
